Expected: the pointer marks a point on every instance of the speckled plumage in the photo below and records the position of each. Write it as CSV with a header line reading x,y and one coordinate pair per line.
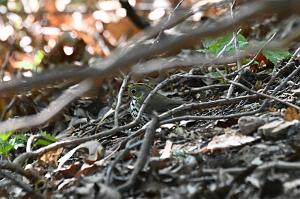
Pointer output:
x,y
160,103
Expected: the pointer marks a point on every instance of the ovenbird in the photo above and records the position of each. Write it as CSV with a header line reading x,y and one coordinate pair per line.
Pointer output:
x,y
158,102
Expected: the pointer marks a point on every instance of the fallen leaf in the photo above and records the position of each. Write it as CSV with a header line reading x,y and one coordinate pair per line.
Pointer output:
x,y
96,152
291,114
68,172
51,157
167,151
228,140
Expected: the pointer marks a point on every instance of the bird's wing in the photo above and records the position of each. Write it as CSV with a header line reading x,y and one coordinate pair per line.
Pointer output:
x,y
161,103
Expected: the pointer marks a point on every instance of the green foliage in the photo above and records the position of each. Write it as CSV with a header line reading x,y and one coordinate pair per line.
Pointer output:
x,y
45,140
216,74
276,56
18,141
5,147
5,136
214,46
9,142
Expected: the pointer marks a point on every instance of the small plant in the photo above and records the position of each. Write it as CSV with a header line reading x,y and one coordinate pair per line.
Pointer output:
x,y
9,142
215,46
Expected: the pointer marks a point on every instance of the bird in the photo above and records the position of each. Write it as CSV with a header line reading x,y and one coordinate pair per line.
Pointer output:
x,y
158,102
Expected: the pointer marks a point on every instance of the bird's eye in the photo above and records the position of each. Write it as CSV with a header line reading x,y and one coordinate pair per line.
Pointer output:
x,y
133,91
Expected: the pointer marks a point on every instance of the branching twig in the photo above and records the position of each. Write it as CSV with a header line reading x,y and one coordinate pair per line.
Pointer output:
x,y
205,105
254,58
283,83
265,95
130,145
144,154
227,45
5,165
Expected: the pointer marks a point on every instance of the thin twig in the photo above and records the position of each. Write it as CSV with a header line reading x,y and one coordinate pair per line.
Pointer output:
x,y
205,105
265,95
8,107
5,165
254,58
14,180
209,87
30,140
148,98
144,154
5,61
129,146
20,159
237,53
119,100
228,44
284,82
214,117
168,20
294,55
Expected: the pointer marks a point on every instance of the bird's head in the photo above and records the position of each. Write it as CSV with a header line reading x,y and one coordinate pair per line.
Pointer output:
x,y
139,91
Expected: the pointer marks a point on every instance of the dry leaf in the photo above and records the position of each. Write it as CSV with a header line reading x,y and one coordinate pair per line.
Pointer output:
x,y
96,152
291,114
51,157
167,151
227,140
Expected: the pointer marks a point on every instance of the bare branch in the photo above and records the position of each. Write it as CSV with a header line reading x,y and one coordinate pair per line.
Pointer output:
x,y
128,55
46,114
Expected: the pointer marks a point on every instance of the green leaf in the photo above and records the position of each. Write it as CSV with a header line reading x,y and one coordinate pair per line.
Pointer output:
x,y
18,141
216,74
46,139
5,147
7,143
5,136
214,46
276,56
